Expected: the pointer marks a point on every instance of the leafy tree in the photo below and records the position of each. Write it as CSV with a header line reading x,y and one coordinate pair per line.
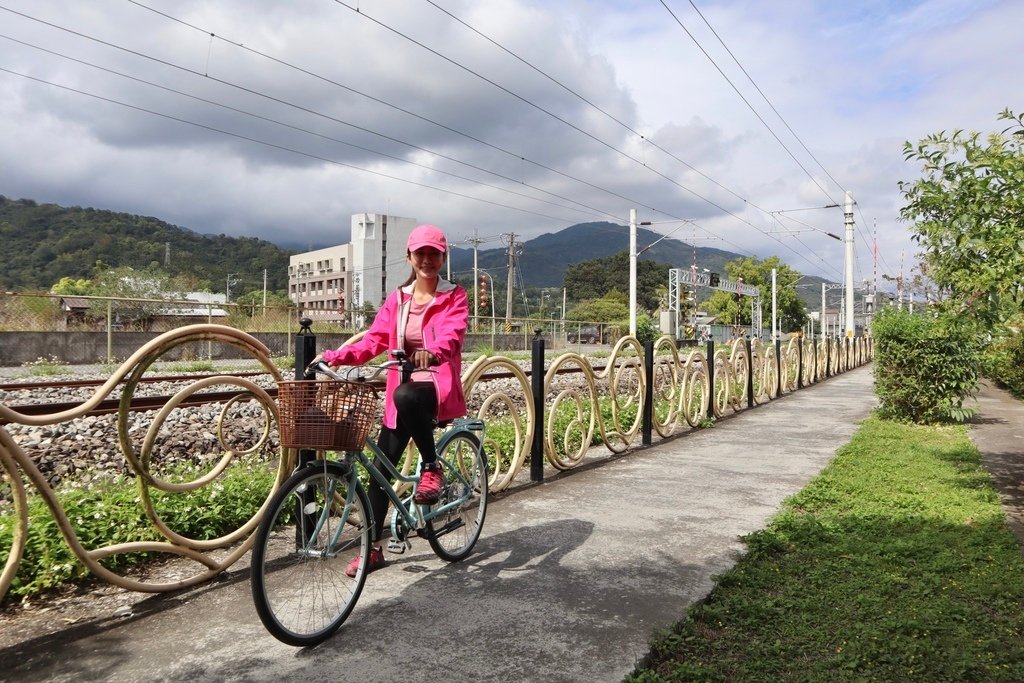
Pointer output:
x,y
758,273
150,283
599,311
45,242
252,302
646,330
593,279
70,286
967,213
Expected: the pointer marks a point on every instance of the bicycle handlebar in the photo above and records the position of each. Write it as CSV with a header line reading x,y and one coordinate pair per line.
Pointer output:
x,y
399,360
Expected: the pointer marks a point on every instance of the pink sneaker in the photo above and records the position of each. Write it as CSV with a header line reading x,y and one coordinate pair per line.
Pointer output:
x,y
376,562
431,483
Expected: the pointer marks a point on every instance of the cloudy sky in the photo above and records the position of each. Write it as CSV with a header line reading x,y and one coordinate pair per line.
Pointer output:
x,y
715,119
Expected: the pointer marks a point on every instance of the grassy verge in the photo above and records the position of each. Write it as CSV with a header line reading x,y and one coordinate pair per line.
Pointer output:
x,y
894,564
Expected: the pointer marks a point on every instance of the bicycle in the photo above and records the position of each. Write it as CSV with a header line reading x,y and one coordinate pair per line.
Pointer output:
x,y
320,518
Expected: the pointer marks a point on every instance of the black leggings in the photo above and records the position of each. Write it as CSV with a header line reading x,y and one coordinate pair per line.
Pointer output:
x,y
417,405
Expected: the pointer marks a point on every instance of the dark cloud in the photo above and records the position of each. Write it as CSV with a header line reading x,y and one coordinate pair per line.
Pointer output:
x,y
322,112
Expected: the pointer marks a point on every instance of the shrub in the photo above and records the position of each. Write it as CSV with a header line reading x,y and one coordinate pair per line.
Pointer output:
x,y
1003,360
925,366
109,512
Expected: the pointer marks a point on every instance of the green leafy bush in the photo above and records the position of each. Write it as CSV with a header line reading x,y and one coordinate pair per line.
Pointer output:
x,y
925,366
1003,360
111,513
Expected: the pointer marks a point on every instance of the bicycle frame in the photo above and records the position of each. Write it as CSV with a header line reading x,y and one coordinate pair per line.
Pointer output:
x,y
412,516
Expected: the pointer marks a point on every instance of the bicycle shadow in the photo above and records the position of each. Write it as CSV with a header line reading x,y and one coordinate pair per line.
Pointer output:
x,y
538,602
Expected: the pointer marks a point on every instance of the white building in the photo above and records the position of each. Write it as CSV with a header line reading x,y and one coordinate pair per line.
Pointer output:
x,y
326,282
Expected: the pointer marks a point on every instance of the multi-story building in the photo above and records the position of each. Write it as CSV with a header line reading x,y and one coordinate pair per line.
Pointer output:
x,y
327,282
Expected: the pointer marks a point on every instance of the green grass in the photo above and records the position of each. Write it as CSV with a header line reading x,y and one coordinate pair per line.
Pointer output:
x,y
45,367
895,564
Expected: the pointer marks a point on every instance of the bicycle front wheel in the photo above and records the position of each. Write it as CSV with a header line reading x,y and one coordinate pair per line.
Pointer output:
x,y
315,526
453,534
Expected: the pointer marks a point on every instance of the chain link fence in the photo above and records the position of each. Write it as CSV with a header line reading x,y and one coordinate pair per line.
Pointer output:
x,y
90,329
85,330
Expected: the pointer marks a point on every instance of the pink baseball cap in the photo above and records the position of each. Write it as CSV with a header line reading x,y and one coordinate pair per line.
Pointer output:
x,y
427,236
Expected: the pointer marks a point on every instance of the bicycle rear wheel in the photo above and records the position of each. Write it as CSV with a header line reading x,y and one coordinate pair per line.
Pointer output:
x,y
315,526
453,534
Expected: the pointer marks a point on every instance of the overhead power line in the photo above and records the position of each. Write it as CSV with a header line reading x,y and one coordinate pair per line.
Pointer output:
x,y
274,145
339,121
747,102
765,97
631,201
529,102
590,210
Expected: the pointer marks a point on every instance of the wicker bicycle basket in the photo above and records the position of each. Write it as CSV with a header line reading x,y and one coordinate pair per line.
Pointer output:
x,y
325,414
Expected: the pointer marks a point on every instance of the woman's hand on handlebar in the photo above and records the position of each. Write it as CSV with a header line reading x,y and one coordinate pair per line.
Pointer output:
x,y
423,359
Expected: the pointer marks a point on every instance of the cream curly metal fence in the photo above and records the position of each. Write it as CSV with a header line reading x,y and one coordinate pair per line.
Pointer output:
x,y
17,466
581,406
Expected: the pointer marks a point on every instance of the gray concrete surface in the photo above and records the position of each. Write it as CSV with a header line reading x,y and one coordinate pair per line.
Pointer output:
x,y
998,431
569,580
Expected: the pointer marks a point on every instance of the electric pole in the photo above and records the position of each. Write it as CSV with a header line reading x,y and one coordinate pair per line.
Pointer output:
x,y
632,272
476,278
848,220
511,275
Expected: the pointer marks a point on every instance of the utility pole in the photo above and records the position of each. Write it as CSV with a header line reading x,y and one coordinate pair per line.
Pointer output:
x,y
848,220
899,285
822,310
476,278
632,272
511,275
774,303
632,268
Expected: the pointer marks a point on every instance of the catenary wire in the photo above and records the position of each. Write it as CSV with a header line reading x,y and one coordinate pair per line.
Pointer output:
x,y
385,175
275,146
765,97
588,209
568,123
276,60
746,101
626,126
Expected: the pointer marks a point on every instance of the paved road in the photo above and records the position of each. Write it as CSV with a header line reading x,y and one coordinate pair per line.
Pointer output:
x,y
570,579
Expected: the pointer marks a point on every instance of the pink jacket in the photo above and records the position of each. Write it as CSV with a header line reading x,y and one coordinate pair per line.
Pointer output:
x,y
444,331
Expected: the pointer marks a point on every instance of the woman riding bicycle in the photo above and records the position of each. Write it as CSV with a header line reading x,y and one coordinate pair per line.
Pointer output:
x,y
427,317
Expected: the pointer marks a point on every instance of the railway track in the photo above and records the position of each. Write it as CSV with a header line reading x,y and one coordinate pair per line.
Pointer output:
x,y
144,403
146,379
112,405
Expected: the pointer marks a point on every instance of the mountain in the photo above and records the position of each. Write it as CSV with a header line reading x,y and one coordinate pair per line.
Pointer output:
x,y
544,259
44,242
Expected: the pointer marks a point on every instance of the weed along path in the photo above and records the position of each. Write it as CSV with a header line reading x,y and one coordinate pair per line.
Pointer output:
x,y
567,583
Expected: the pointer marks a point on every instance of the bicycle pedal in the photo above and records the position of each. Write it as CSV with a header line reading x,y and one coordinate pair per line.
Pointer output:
x,y
397,546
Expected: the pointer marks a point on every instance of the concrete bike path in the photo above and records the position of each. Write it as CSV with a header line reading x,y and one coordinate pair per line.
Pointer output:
x,y
568,581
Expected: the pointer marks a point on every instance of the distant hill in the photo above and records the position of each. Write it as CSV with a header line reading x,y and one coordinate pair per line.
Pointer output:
x,y
41,243
44,242
544,258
